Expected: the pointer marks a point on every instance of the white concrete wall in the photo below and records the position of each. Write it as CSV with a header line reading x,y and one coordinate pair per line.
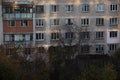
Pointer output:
x,y
1,25
115,39
34,29
47,24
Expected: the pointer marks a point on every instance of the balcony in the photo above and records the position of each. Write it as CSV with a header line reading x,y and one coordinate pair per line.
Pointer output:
x,y
18,43
18,16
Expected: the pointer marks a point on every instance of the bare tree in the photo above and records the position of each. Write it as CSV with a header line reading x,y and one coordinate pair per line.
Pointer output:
x,y
68,35
74,37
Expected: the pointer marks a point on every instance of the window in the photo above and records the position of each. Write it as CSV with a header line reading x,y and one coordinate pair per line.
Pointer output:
x,y
85,7
100,7
112,47
23,9
12,37
17,9
69,35
30,37
39,36
69,8
24,23
99,48
99,35
40,9
100,21
113,7
55,36
7,9
85,49
8,38
18,37
39,22
54,22
27,37
113,34
113,21
85,22
54,8
11,23
85,35
69,21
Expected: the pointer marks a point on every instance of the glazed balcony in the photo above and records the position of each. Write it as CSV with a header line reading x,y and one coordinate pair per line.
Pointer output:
x,y
9,16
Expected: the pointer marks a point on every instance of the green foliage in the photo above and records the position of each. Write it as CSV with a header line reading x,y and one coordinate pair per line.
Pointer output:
x,y
41,70
60,67
116,55
116,61
109,73
35,70
8,70
15,67
95,72
92,73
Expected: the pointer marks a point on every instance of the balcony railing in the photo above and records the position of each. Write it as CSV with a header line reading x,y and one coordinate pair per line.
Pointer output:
x,y
7,16
19,43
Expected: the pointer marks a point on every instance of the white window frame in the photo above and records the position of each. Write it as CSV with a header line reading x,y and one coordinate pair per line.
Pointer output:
x,y
69,8
85,35
24,24
54,8
69,21
54,22
112,47
85,8
85,22
69,35
100,8
10,23
99,48
114,7
40,22
113,34
99,34
40,36
55,36
100,22
113,21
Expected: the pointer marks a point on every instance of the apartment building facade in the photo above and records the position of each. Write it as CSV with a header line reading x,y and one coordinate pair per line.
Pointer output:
x,y
17,22
93,23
